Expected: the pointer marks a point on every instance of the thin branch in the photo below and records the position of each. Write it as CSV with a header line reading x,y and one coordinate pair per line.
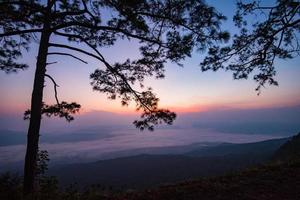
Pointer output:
x,y
55,86
67,54
100,57
75,49
107,28
51,63
82,39
278,46
87,43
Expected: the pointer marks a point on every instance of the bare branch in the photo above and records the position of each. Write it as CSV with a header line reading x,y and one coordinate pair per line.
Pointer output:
x,y
55,87
75,49
107,28
80,38
67,54
51,63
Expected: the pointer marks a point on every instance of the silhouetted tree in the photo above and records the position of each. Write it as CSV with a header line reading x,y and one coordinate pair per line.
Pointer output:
x,y
273,34
166,30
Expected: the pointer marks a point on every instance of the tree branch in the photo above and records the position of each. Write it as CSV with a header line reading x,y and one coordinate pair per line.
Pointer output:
x,y
80,38
108,28
67,54
55,86
75,49
51,63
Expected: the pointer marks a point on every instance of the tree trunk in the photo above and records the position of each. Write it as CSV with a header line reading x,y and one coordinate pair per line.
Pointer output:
x,y
35,116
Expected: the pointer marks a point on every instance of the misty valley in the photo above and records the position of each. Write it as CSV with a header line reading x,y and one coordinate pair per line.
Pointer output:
x,y
94,160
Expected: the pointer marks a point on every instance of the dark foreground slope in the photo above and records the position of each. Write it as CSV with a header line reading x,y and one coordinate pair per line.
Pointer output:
x,y
275,181
289,150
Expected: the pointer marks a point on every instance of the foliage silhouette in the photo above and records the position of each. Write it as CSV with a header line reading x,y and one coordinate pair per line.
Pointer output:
x,y
166,30
273,34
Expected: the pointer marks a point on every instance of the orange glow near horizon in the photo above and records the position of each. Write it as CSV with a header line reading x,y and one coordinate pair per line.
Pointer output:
x,y
207,105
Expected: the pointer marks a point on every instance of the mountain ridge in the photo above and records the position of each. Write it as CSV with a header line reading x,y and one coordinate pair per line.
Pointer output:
x,y
132,171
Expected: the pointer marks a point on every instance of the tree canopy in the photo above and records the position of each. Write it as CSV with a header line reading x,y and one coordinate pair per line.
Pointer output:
x,y
273,34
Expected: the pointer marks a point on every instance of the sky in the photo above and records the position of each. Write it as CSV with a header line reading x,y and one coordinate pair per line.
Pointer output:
x,y
184,90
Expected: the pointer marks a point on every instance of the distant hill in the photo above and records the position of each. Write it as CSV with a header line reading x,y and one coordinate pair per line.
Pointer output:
x,y
255,148
289,150
146,170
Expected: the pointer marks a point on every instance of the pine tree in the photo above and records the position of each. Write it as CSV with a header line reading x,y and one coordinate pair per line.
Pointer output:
x,y
166,30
